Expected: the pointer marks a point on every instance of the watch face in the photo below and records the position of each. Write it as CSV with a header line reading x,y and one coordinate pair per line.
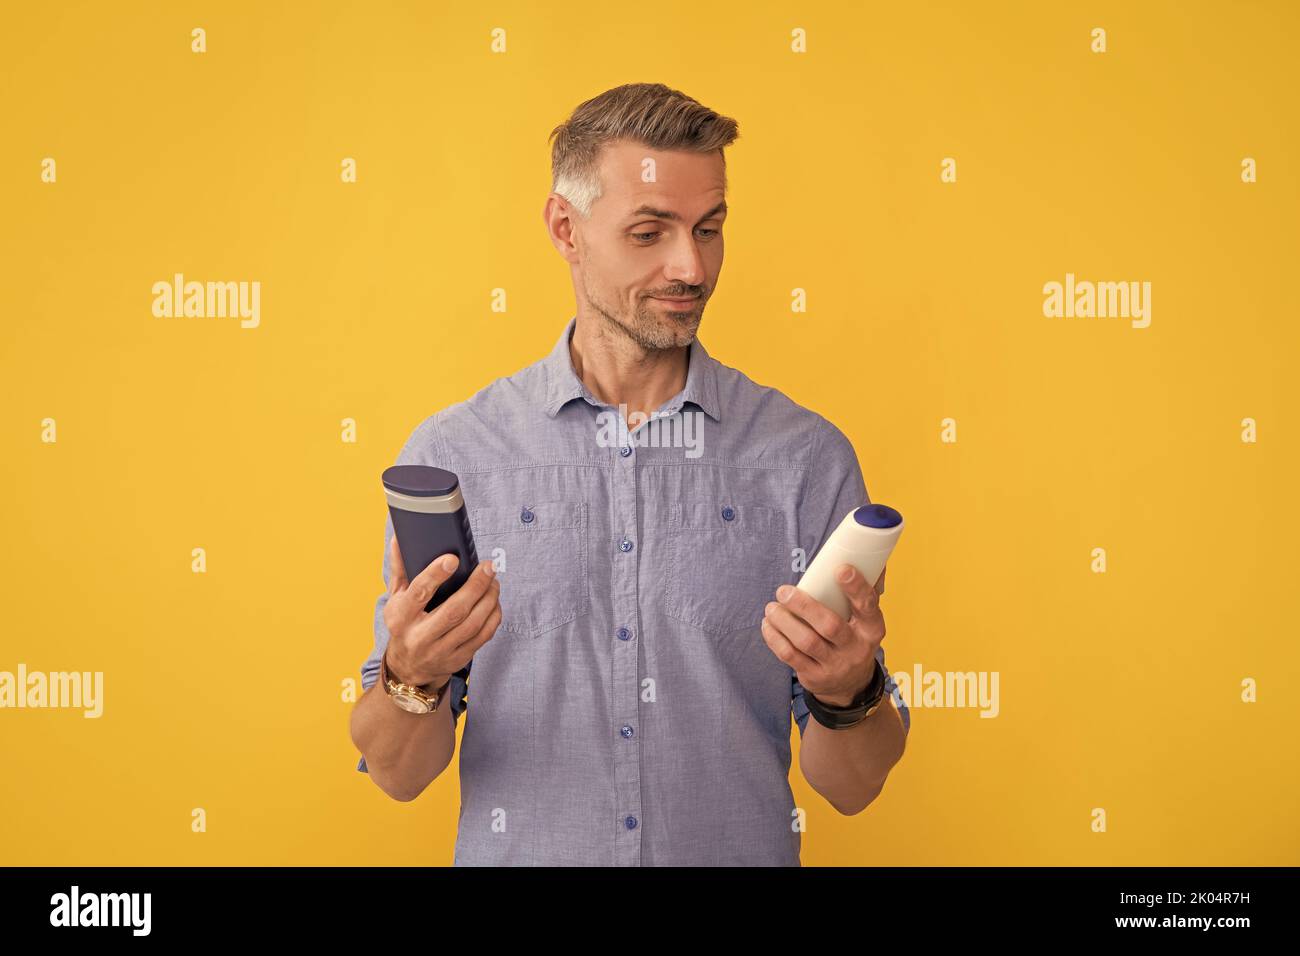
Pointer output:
x,y
410,704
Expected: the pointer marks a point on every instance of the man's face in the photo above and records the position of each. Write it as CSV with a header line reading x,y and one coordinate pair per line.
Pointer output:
x,y
649,257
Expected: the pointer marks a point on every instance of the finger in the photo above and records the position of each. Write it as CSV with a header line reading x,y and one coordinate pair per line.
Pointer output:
x,y
467,650
451,612
818,616
397,570
420,591
863,598
798,633
469,628
786,652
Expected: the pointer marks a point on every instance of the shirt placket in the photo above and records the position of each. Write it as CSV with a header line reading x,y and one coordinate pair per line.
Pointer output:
x,y
625,637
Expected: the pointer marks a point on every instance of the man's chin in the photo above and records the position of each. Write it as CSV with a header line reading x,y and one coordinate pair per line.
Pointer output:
x,y
657,327
682,326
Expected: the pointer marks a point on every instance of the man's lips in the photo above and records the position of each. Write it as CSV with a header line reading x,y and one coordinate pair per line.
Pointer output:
x,y
682,301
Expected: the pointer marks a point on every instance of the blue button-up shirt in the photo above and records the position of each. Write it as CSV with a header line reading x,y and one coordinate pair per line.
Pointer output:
x,y
628,711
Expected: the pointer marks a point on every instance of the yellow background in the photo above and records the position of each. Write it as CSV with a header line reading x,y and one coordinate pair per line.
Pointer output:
x,y
223,690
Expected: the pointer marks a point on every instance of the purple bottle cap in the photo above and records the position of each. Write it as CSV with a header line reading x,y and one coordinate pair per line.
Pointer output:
x,y
420,481
877,516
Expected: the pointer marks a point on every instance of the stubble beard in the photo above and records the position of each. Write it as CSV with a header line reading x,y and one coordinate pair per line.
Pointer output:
x,y
650,325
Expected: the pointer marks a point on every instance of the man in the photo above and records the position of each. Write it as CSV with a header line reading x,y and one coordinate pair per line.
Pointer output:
x,y
633,665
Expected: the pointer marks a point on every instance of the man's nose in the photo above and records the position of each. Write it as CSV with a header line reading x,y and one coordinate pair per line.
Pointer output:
x,y
686,265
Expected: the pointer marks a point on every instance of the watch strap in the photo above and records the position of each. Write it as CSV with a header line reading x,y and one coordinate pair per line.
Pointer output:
x,y
858,710
391,683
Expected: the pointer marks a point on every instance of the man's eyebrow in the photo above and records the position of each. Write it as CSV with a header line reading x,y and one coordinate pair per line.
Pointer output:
x,y
672,216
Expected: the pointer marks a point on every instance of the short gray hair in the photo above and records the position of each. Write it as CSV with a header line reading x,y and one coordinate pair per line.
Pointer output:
x,y
647,113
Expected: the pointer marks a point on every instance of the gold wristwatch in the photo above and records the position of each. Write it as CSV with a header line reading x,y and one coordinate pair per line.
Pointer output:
x,y
410,697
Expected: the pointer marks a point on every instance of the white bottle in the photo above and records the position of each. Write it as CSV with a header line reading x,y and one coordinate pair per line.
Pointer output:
x,y
863,539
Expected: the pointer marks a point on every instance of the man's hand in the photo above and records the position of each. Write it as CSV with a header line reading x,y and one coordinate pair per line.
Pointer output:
x,y
834,659
427,647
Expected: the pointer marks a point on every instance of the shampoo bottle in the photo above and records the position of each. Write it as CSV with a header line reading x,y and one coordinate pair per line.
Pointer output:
x,y
863,539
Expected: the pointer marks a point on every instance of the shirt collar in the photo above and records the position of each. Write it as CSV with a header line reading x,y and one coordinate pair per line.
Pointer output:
x,y
563,384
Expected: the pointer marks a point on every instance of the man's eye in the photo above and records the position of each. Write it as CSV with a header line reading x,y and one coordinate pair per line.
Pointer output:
x,y
649,236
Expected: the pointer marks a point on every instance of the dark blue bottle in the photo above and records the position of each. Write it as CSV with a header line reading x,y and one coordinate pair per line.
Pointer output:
x,y
430,520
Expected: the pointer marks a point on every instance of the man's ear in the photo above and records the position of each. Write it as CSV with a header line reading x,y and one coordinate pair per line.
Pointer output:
x,y
880,585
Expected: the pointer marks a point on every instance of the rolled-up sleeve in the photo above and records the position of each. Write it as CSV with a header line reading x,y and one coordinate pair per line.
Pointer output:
x,y
799,707
833,486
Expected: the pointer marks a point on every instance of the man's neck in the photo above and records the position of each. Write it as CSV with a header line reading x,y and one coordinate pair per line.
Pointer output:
x,y
618,371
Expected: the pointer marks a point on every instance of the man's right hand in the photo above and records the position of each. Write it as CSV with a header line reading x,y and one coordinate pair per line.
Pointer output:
x,y
427,647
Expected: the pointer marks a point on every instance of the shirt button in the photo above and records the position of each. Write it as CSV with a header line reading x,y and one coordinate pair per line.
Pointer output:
x,y
623,633
626,730
728,513
625,450
625,546
629,822
526,516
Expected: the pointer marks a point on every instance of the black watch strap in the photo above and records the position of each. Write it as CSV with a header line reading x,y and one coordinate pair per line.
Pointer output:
x,y
840,718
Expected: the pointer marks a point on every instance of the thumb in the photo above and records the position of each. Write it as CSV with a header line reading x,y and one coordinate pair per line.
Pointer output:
x,y
431,578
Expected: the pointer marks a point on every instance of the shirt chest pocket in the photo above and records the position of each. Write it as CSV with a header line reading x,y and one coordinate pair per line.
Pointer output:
x,y
540,554
726,562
